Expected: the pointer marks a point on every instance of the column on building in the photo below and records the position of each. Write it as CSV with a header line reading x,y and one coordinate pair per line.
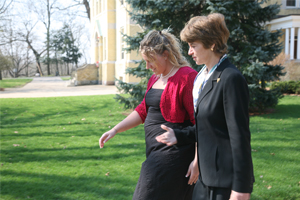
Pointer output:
x,y
298,44
292,46
287,40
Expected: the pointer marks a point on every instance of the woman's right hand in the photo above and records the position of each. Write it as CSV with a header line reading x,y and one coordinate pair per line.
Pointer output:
x,y
107,136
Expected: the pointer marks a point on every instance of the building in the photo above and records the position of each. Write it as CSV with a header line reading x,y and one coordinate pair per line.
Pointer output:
x,y
288,20
109,19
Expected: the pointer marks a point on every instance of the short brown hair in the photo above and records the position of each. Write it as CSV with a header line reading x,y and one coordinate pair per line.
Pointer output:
x,y
156,42
208,30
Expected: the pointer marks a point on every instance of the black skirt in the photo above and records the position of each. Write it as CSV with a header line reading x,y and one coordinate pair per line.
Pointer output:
x,y
163,173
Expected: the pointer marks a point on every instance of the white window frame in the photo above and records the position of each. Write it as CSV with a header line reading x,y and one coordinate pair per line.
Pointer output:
x,y
297,2
122,42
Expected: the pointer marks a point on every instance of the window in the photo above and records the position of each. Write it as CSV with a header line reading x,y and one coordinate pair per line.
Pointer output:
x,y
104,48
97,7
291,3
122,42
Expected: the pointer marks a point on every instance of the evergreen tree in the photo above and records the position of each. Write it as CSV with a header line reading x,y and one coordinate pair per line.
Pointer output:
x,y
251,46
63,43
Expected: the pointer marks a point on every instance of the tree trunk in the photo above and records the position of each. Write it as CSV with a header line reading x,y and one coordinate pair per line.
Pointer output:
x,y
0,74
87,7
68,71
48,38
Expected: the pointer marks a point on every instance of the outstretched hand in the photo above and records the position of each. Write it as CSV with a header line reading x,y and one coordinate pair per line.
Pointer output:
x,y
168,137
107,136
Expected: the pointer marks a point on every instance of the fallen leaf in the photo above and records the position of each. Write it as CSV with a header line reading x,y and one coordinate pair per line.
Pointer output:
x,y
16,132
83,119
261,176
107,174
269,187
272,154
16,145
254,150
73,136
25,146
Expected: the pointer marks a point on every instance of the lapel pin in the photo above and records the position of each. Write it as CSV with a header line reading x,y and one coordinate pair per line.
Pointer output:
x,y
218,79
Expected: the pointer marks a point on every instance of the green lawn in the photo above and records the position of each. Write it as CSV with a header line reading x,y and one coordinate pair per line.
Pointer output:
x,y
276,151
12,83
49,150
65,78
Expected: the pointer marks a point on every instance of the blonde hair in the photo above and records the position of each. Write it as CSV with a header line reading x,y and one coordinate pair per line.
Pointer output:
x,y
208,30
156,42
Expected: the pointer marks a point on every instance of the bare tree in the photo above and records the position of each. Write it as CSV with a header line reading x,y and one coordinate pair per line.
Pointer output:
x,y
4,18
4,5
44,10
5,63
20,59
76,3
28,37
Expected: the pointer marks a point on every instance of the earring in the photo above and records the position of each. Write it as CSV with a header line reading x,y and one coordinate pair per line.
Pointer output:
x,y
212,49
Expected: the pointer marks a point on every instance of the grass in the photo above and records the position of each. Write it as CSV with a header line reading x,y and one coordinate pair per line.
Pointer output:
x,y
49,150
276,151
12,83
65,78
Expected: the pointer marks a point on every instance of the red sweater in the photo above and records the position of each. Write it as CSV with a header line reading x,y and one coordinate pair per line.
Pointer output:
x,y
176,102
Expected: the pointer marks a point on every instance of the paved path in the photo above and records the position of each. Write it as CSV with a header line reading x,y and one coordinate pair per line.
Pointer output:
x,y
55,87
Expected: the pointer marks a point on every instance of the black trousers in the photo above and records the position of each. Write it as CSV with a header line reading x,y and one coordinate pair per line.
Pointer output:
x,y
203,192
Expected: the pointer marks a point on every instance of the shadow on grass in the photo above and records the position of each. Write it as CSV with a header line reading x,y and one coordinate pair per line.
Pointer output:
x,y
21,154
45,186
284,112
16,112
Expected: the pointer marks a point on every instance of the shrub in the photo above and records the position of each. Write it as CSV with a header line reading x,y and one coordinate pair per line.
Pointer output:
x,y
290,87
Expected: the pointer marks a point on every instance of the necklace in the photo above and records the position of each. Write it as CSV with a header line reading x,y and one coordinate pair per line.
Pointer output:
x,y
162,76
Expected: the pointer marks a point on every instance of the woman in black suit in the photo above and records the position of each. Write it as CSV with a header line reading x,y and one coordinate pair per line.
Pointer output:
x,y
221,99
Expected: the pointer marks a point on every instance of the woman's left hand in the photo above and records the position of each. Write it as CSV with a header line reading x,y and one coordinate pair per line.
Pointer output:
x,y
193,172
168,137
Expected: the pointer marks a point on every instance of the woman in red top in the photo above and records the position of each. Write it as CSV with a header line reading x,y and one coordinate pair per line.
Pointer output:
x,y
169,172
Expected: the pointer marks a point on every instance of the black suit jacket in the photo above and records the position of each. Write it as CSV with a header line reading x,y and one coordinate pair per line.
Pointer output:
x,y
222,131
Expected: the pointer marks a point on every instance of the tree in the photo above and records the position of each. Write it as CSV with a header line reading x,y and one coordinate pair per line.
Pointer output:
x,y
28,38
45,10
5,63
251,46
64,42
20,58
